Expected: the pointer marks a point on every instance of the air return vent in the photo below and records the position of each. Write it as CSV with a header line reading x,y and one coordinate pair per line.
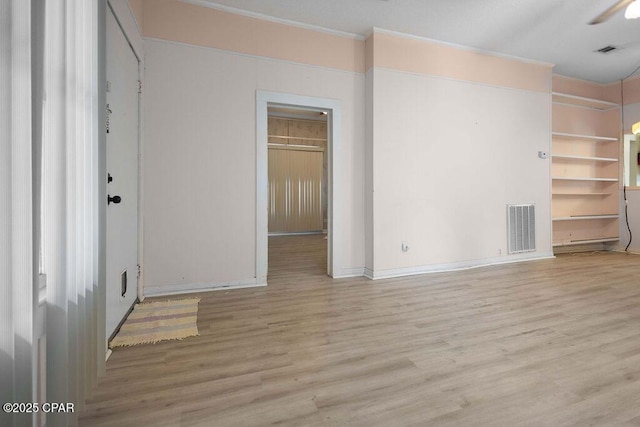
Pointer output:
x,y
607,49
521,228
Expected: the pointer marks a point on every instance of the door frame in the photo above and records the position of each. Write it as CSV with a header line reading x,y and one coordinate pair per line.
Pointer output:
x,y
333,108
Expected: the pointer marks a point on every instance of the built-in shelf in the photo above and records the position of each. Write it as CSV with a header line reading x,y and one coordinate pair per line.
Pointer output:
x,y
595,159
586,241
585,137
585,172
581,194
566,178
583,217
580,101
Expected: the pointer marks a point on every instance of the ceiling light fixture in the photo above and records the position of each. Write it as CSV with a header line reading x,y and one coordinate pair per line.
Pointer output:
x,y
633,10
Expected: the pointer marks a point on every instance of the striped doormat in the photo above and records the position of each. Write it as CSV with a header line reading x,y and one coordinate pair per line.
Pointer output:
x,y
152,322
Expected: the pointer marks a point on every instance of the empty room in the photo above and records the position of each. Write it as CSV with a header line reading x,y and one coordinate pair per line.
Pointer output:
x,y
292,212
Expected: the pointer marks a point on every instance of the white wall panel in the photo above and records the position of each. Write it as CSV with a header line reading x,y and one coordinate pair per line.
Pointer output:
x,y
633,212
631,113
447,159
199,162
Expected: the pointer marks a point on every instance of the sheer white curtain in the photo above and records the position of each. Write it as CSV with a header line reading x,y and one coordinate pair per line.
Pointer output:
x,y
71,231
17,287
51,225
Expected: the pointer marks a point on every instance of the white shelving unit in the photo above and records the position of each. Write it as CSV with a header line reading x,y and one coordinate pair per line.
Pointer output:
x,y
584,217
584,170
575,178
586,158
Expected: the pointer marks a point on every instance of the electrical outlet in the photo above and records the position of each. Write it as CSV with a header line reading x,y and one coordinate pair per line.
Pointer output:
x,y
405,247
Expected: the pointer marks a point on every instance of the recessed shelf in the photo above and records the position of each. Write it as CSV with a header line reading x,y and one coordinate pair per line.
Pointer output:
x,y
566,178
586,241
584,171
595,159
580,101
583,217
593,138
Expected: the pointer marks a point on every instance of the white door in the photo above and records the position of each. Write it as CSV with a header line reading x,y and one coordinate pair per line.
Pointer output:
x,y
122,180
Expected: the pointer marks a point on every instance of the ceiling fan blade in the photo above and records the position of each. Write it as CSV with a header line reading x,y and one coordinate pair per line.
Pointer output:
x,y
610,12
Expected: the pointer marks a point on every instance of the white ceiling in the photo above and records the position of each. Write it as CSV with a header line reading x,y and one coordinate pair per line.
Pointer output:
x,y
553,31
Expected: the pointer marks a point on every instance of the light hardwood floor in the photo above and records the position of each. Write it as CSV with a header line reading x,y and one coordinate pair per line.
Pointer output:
x,y
553,342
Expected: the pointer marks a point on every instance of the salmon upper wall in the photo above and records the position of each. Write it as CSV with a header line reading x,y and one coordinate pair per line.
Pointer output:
x,y
174,20
605,92
569,85
137,7
202,26
421,56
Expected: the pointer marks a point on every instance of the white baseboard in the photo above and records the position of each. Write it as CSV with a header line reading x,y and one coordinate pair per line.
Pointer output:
x,y
368,273
189,288
453,266
349,272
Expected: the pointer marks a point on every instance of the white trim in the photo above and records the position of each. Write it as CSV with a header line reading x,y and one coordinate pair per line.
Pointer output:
x,y
250,55
460,46
189,288
368,273
350,272
257,15
334,147
453,266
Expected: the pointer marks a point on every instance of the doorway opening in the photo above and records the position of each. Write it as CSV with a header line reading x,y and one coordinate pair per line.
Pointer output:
x,y
301,213
297,171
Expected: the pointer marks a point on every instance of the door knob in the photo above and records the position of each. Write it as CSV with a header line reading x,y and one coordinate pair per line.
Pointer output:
x,y
114,199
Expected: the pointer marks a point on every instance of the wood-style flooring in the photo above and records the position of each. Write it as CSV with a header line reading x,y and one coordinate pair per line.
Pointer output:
x,y
542,343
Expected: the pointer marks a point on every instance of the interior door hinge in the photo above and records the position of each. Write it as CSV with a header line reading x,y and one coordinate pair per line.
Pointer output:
x,y
139,86
108,120
139,271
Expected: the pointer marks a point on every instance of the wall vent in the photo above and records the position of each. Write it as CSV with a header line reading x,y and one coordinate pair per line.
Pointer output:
x,y
521,228
607,49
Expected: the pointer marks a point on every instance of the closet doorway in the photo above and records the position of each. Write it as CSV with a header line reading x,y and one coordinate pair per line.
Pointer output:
x,y
297,143
298,146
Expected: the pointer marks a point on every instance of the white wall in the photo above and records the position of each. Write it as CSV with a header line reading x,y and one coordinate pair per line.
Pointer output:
x,y
631,115
368,186
448,156
633,201
199,161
